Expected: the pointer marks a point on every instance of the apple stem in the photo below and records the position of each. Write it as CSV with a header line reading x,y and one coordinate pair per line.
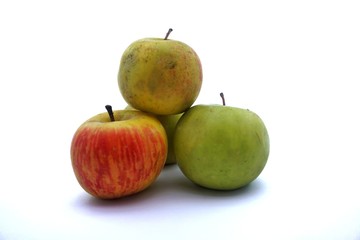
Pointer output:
x,y
223,98
168,33
110,111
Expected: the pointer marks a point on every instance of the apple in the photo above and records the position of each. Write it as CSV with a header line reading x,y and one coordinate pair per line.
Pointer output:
x,y
221,147
118,153
160,76
169,123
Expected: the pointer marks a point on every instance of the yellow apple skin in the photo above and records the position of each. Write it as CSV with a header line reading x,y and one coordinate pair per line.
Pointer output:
x,y
160,76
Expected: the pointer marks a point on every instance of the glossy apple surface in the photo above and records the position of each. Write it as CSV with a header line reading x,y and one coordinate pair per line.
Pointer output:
x,y
112,159
220,147
160,76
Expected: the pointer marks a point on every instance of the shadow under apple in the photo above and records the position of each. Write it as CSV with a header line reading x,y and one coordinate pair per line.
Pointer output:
x,y
171,190
172,179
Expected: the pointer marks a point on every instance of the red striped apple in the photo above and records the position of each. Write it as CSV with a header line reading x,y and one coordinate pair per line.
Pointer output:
x,y
160,75
118,153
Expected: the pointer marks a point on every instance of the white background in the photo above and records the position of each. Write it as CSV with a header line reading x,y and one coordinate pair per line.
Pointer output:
x,y
295,63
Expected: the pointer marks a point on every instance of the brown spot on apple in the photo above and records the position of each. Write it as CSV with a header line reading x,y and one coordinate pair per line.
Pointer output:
x,y
171,65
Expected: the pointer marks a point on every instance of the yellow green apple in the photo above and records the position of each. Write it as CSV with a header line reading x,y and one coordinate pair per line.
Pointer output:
x,y
160,75
221,147
169,123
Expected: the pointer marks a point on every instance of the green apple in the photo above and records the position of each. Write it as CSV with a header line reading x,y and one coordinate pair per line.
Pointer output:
x,y
160,75
169,123
221,147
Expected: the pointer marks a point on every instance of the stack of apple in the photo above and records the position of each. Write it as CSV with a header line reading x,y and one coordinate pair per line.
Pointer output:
x,y
119,153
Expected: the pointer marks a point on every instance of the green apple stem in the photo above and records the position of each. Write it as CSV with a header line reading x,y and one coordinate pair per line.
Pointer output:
x,y
110,112
168,33
223,98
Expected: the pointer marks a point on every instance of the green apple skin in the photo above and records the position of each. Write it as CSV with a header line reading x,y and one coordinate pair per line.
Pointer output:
x,y
221,147
169,123
160,76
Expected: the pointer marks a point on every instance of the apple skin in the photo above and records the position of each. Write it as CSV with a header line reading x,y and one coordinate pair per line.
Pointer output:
x,y
169,123
221,147
115,159
160,76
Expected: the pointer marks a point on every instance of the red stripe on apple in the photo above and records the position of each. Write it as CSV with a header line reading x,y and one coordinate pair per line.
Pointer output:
x,y
116,158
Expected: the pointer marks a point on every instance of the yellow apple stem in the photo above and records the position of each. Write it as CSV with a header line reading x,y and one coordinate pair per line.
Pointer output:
x,y
110,112
168,33
223,98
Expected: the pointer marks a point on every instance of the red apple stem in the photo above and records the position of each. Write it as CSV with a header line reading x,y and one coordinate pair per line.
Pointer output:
x,y
110,112
223,98
168,33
